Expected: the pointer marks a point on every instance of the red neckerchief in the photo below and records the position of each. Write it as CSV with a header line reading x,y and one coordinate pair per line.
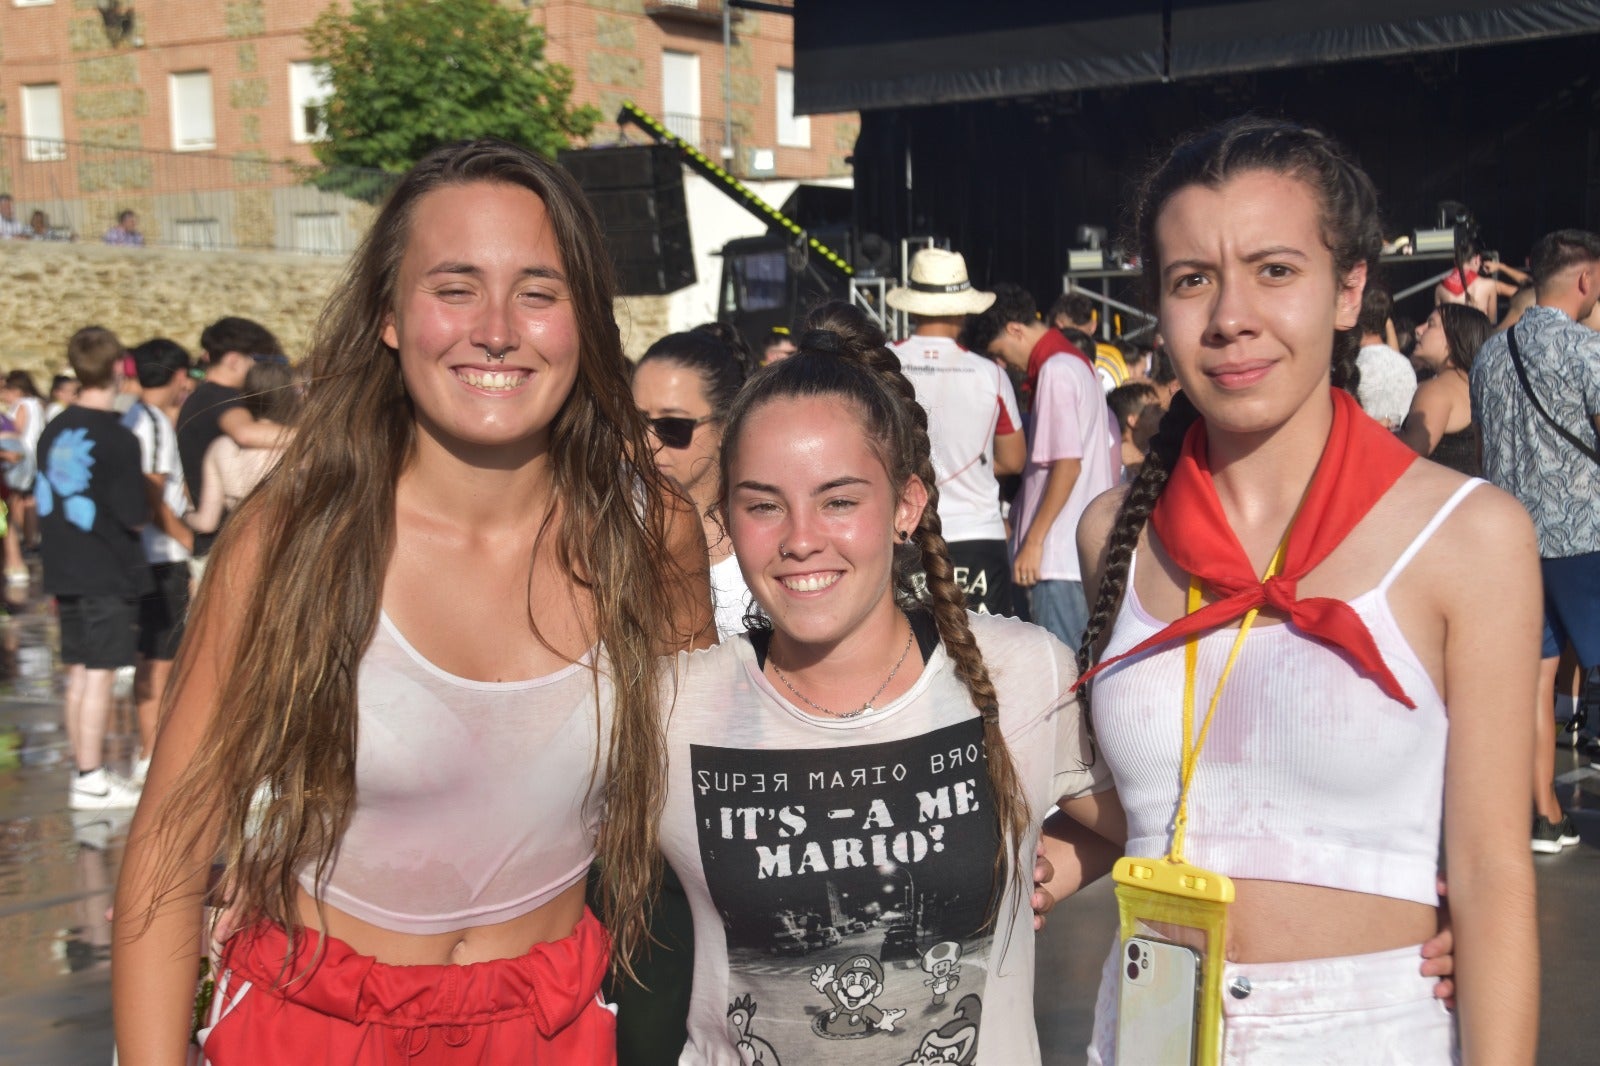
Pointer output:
x,y
1052,342
1457,282
1360,462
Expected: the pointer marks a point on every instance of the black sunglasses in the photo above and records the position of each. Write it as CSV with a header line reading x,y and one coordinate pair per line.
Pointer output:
x,y
675,433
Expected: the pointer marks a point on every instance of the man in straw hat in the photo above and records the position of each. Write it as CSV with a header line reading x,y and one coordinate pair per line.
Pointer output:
x,y
973,422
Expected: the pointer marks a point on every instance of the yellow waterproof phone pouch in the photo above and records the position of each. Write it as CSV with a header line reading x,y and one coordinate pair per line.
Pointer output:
x,y
1174,915
1169,912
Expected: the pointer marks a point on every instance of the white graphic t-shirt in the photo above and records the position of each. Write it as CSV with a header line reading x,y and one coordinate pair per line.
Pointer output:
x,y
969,401
840,870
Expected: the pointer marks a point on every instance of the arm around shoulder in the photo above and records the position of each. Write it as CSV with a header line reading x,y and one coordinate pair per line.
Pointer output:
x,y
249,432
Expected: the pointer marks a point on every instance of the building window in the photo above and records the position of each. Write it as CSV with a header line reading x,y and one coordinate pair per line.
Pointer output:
x,y
201,234
41,122
193,126
309,89
318,233
680,94
794,131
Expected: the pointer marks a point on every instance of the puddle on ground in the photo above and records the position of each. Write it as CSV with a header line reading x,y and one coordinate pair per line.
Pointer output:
x,y
58,867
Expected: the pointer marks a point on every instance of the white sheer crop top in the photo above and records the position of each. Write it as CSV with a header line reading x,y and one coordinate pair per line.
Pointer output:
x,y
1310,773
476,801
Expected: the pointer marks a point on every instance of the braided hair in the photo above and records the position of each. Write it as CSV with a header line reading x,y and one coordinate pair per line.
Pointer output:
x,y
842,354
1352,232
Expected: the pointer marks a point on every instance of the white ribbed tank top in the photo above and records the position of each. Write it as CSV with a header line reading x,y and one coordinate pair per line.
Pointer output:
x,y
1310,773
476,801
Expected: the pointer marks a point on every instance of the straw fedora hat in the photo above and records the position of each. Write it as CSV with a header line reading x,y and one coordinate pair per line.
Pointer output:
x,y
938,286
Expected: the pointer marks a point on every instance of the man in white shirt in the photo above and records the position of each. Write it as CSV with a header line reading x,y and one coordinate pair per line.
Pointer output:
x,y
1387,379
1073,456
163,367
973,422
10,227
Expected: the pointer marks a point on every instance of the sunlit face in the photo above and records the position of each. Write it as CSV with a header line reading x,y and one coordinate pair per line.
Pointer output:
x,y
662,389
1431,349
483,317
813,518
1250,299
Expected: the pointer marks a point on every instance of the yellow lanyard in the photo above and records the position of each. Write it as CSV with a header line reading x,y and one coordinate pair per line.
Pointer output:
x,y
1191,657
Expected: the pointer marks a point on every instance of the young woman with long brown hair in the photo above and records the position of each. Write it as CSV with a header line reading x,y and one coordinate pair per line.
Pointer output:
x,y
427,656
854,789
1380,691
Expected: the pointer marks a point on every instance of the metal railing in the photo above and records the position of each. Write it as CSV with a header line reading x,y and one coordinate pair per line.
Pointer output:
x,y
704,133
199,200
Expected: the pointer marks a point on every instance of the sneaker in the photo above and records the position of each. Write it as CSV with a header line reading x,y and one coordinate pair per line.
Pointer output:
x,y
1549,838
102,790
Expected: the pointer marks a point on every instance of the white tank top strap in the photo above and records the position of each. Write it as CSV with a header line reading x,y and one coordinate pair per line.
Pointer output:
x,y
1427,533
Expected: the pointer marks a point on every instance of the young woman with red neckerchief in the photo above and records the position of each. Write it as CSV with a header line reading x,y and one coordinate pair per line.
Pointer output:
x,y
1376,707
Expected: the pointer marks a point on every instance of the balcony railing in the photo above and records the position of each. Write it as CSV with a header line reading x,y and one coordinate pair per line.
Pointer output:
x,y
704,133
198,200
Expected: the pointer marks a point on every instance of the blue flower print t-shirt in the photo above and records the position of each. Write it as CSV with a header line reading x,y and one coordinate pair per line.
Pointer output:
x,y
91,500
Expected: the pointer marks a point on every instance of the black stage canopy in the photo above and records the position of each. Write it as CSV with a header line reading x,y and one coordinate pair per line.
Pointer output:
x,y
1006,171
852,55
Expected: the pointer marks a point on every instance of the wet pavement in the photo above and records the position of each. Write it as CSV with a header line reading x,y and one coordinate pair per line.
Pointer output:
x,y
57,870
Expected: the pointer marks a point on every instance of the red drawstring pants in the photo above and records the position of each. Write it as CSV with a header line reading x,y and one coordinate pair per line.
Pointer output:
x,y
542,1009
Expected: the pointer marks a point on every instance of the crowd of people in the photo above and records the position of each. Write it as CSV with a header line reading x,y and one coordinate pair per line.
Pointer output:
x,y
115,484
740,689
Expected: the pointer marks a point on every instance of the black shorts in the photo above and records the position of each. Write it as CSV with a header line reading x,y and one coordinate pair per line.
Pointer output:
x,y
99,632
983,570
162,612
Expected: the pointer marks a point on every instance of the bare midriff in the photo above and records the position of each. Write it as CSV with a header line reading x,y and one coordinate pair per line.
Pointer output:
x,y
1279,921
479,943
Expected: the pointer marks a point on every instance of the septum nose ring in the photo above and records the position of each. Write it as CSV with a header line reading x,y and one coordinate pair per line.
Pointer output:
x,y
498,357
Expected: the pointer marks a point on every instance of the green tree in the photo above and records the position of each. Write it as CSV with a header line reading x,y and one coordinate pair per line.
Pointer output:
x,y
409,75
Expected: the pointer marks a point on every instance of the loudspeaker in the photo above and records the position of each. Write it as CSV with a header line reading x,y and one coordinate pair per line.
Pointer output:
x,y
637,193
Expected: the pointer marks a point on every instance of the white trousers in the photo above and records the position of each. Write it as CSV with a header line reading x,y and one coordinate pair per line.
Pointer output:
x,y
1364,1010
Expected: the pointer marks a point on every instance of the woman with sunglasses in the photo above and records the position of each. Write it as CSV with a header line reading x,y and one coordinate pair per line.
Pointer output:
x,y
684,384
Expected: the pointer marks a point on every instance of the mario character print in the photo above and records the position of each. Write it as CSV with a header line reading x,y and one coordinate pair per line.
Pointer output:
x,y
851,990
942,964
753,1050
854,885
955,1043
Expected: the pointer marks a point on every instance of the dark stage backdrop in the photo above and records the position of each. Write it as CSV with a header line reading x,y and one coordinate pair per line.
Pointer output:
x,y
1511,130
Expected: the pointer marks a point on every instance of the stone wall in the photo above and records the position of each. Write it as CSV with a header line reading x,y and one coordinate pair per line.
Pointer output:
x,y
48,291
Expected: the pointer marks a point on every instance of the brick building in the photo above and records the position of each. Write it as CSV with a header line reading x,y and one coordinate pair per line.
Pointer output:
x,y
186,112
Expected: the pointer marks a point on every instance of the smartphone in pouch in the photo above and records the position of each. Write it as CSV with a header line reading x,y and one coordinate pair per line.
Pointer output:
x,y
1158,1002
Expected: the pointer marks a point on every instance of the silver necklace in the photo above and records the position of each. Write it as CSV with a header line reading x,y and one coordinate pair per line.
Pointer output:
x,y
865,707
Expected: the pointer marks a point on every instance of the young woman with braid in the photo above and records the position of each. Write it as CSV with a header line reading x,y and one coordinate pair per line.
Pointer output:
x,y
1379,692
421,676
853,791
